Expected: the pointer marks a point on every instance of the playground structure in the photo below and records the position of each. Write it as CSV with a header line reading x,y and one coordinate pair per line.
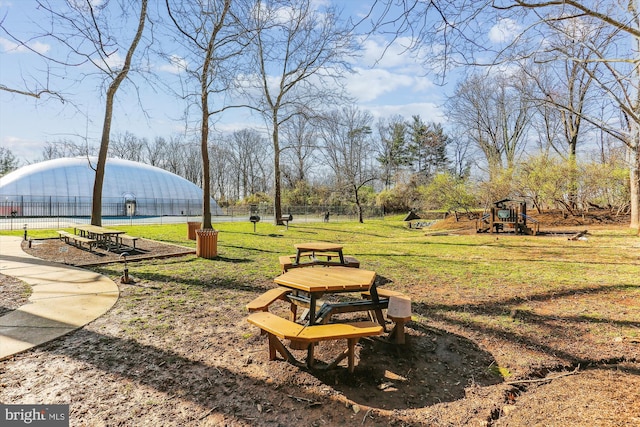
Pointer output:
x,y
508,216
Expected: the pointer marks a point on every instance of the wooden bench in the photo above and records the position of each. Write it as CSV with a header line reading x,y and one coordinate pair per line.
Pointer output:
x,y
277,327
64,235
120,237
285,219
263,302
80,240
287,262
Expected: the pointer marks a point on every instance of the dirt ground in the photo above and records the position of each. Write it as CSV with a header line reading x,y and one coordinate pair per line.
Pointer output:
x,y
190,362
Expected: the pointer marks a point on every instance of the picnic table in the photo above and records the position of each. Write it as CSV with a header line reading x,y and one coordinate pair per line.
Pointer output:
x,y
103,236
307,285
304,287
313,248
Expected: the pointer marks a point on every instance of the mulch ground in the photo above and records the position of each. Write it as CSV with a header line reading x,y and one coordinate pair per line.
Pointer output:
x,y
65,253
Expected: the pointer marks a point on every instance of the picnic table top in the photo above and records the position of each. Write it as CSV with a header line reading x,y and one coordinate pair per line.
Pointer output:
x,y
318,246
97,229
327,279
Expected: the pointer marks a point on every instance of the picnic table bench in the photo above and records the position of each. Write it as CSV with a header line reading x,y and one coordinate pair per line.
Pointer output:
x,y
78,240
288,262
263,302
308,336
64,235
120,237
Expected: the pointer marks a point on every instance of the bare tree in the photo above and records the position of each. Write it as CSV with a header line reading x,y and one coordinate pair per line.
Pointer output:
x,y
191,163
566,94
298,53
87,33
495,112
38,87
126,146
249,149
299,148
174,154
615,47
460,35
461,153
210,35
348,150
155,151
66,148
117,76
222,171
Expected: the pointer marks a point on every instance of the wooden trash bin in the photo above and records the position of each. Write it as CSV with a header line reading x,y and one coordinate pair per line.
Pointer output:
x,y
207,243
191,230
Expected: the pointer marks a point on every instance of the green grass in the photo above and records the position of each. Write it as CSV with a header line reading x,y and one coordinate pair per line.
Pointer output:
x,y
477,267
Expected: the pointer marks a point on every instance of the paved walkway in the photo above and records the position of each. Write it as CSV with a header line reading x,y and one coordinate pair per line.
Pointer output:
x,y
63,299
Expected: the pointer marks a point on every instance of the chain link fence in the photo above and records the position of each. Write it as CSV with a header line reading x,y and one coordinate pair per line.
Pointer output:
x,y
58,215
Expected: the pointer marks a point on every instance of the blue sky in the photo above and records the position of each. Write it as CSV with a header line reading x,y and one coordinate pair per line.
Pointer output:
x,y
384,85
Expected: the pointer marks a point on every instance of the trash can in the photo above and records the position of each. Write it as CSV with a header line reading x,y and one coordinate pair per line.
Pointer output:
x,y
207,243
191,230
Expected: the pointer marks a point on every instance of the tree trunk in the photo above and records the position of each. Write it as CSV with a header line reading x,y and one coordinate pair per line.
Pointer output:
x,y
634,144
634,179
206,181
96,203
204,146
358,206
96,206
277,204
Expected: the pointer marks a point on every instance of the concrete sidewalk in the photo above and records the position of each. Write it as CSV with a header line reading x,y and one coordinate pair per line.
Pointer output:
x,y
63,299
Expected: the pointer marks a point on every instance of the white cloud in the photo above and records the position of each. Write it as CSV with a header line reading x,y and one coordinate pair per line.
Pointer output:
x,y
378,52
9,46
369,84
319,4
504,31
176,65
114,60
22,148
428,111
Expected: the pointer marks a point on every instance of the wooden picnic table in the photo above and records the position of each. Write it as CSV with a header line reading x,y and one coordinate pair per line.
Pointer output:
x,y
102,235
312,248
309,284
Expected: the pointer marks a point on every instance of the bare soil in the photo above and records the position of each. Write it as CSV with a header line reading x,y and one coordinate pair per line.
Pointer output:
x,y
188,360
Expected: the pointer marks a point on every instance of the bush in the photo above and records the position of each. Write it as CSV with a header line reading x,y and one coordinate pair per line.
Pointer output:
x,y
448,192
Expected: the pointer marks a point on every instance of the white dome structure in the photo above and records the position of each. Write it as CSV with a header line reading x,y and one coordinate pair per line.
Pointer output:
x,y
130,188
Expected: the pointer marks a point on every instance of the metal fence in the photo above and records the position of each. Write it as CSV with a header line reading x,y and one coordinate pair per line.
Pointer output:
x,y
81,206
43,215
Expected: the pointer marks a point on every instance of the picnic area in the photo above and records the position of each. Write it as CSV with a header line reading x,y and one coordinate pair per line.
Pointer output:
x,y
504,329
